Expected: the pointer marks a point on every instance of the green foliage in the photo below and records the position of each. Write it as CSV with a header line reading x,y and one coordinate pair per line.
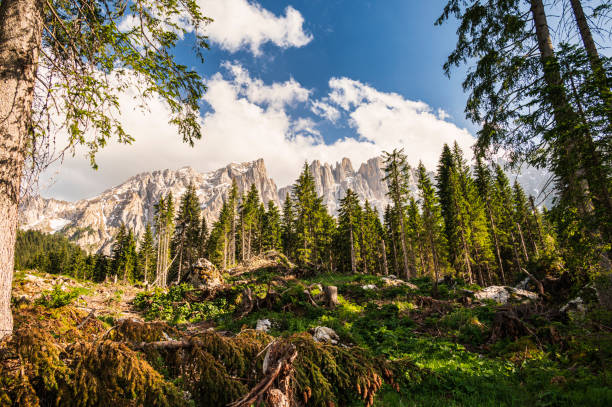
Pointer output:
x,y
58,297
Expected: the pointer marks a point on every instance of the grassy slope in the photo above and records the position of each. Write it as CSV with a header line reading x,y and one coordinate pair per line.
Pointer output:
x,y
570,367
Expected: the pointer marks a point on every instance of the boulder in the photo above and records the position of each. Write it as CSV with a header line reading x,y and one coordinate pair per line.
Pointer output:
x,y
392,281
205,275
369,287
504,295
574,307
325,335
263,325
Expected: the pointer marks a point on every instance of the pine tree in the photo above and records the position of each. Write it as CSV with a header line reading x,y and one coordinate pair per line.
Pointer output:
x,y
433,224
306,204
397,176
349,224
146,254
186,241
288,233
271,236
484,184
249,219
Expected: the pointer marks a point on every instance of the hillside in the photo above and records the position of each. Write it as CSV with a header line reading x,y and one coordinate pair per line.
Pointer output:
x,y
385,343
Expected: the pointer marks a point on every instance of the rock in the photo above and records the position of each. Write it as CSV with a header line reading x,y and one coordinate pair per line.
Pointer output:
x,y
369,287
205,275
263,325
575,307
503,294
392,281
325,335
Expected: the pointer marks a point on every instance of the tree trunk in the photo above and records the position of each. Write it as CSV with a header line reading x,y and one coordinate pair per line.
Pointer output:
x,y
331,296
384,256
523,246
353,265
20,38
403,241
594,59
496,242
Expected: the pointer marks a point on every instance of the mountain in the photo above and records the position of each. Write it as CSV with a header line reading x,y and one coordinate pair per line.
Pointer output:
x,y
93,222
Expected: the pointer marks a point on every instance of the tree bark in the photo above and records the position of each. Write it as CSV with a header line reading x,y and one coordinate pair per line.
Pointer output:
x,y
594,59
384,256
20,39
331,296
353,262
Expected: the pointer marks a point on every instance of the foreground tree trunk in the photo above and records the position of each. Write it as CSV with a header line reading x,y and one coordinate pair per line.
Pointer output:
x,y
20,38
595,60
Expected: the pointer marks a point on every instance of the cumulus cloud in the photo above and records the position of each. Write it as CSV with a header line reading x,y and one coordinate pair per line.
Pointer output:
x,y
245,24
389,120
325,110
249,119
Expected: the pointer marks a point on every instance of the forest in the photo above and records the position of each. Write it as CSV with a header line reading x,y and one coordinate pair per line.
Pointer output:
x,y
464,291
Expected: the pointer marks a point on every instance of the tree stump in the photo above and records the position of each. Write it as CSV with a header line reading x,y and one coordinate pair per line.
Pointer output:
x,y
331,296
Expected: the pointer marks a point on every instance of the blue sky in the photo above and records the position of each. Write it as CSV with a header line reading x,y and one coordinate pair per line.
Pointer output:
x,y
298,80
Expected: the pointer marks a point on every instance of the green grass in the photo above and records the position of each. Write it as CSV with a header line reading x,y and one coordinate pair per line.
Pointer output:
x,y
464,370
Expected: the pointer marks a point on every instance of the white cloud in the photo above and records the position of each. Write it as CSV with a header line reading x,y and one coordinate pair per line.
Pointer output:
x,y
325,111
389,120
240,24
249,119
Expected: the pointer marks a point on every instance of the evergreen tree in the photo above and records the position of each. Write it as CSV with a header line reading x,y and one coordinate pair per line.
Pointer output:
x,y
186,241
433,224
397,176
271,236
146,253
306,204
288,233
349,225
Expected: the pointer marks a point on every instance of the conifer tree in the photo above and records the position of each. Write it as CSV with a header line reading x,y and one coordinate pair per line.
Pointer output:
x,y
271,236
349,223
433,224
307,205
288,233
186,240
485,187
146,253
397,176
505,214
203,237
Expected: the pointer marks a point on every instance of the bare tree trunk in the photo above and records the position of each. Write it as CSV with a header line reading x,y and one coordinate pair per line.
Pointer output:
x,y
403,241
520,231
20,38
594,59
384,256
353,265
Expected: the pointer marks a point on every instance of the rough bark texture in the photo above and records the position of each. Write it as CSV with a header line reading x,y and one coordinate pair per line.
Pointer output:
x,y
331,296
20,37
595,60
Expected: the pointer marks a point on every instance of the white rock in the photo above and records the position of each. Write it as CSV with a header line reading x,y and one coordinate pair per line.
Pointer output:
x,y
576,305
263,325
369,287
391,281
325,335
503,294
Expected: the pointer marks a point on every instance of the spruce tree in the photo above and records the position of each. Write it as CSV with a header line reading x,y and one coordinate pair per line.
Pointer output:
x,y
349,225
397,176
288,233
433,224
146,253
271,237
186,240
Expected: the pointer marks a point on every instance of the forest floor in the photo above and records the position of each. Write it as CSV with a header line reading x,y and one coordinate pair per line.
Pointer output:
x,y
396,344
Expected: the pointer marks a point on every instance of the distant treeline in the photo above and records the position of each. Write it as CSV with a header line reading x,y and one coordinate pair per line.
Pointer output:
x,y
470,222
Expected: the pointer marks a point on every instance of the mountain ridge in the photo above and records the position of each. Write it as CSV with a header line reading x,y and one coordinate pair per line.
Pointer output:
x,y
93,222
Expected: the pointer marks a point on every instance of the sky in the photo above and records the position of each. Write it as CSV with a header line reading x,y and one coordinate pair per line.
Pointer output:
x,y
293,81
